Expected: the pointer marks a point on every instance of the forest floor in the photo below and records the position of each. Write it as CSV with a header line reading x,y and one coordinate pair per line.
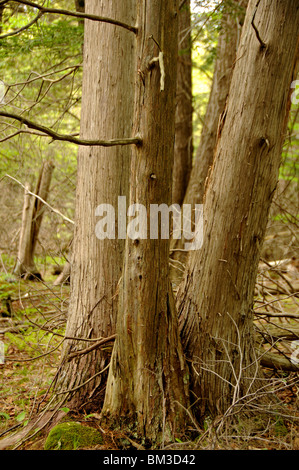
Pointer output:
x,y
32,321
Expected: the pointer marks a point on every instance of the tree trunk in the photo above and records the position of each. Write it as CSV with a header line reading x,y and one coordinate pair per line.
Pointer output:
x,y
102,175
33,211
146,389
183,148
215,298
229,37
25,256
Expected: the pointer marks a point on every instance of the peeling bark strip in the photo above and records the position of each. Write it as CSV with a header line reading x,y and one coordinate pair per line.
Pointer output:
x,y
215,298
147,382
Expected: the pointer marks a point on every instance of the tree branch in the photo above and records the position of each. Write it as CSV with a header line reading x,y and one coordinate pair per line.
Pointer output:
x,y
68,138
88,16
278,315
278,362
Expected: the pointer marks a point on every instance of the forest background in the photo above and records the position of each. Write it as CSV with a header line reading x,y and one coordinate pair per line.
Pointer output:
x,y
41,75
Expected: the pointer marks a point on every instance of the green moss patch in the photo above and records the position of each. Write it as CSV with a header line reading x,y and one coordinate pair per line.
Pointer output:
x,y
72,436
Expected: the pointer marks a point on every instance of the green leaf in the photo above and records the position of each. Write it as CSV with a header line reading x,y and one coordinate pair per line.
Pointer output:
x,y
21,416
4,415
65,409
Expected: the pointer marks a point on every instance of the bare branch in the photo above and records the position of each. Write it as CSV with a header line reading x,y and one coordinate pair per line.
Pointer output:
x,y
275,361
88,16
278,315
74,140
276,300
45,75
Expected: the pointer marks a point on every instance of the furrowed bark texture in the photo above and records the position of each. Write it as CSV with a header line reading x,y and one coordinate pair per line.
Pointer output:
x,y
229,37
102,176
148,376
183,148
215,298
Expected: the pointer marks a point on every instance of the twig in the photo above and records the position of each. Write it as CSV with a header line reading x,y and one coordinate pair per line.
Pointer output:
x,y
283,315
279,273
42,200
55,136
47,74
276,300
84,383
37,428
11,359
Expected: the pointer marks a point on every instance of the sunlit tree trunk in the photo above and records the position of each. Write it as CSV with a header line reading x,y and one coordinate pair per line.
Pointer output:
x,y
215,298
102,176
147,383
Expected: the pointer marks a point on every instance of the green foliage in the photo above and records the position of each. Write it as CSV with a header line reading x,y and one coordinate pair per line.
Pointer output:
x,y
39,68
59,40
21,416
71,436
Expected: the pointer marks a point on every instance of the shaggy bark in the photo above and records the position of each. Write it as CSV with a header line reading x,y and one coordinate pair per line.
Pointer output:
x,y
229,37
147,382
102,176
215,298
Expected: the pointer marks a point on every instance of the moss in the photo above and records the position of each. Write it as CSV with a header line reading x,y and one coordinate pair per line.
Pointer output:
x,y
72,436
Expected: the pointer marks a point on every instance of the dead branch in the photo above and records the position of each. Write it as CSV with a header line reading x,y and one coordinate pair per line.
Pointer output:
x,y
278,315
47,132
278,362
277,300
291,332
